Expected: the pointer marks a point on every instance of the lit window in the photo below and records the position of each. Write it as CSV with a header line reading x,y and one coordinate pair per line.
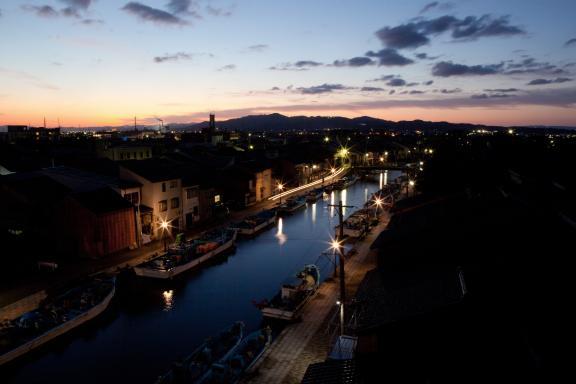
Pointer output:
x,y
163,206
217,198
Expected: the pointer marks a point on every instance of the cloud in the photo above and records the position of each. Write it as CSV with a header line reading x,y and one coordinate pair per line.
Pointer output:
x,y
146,13
173,57
258,48
384,78
450,91
529,65
502,90
34,80
324,88
416,92
396,82
181,56
389,57
557,80
371,89
219,11
570,42
402,36
475,27
436,5
429,82
492,96
92,21
229,67
78,4
301,65
425,56
417,33
359,61
448,68
41,10
179,6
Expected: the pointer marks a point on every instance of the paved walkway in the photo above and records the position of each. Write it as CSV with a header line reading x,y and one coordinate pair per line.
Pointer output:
x,y
307,342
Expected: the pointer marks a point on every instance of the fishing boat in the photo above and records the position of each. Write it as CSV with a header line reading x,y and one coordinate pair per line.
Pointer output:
x,y
253,224
289,302
196,366
229,370
357,224
291,205
55,317
314,195
345,182
188,254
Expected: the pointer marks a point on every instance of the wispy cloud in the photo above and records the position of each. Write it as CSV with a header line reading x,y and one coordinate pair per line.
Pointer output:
x,y
258,48
389,57
557,80
34,80
360,61
324,88
418,33
448,69
154,15
301,65
229,67
41,10
570,42
180,56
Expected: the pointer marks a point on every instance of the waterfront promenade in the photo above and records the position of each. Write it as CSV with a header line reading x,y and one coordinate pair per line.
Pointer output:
x,y
307,342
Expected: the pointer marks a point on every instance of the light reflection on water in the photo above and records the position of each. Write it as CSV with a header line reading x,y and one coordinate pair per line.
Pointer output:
x,y
168,297
279,234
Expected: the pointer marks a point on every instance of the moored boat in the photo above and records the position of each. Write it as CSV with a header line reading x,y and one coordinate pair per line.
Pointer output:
x,y
55,317
289,302
253,224
186,255
357,224
230,369
196,366
314,195
291,205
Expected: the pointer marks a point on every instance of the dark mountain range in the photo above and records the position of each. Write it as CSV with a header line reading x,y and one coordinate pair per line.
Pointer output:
x,y
278,122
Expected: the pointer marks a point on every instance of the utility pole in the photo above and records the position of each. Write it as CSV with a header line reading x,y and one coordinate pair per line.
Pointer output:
x,y
340,249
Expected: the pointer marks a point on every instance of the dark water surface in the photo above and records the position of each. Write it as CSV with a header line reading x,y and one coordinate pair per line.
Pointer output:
x,y
150,323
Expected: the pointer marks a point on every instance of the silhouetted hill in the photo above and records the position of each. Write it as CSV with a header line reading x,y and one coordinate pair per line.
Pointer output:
x,y
278,122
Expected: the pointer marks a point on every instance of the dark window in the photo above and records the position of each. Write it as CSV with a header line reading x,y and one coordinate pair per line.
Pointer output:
x,y
173,184
196,211
163,206
133,197
175,202
163,187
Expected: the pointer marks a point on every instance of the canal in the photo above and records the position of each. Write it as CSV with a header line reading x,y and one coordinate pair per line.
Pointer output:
x,y
151,323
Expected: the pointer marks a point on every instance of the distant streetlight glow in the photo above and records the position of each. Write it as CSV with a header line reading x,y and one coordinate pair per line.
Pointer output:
x,y
411,182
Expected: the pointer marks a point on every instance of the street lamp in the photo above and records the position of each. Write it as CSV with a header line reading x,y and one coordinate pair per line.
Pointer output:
x,y
378,203
337,248
280,188
164,226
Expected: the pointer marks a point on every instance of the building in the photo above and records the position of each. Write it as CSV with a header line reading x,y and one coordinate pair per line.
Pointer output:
x,y
161,193
127,152
13,133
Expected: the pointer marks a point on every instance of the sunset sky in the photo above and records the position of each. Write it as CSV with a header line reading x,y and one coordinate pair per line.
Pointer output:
x,y
102,62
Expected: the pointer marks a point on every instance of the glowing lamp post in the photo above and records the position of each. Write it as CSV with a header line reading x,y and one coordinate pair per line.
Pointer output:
x,y
280,189
337,247
378,203
164,226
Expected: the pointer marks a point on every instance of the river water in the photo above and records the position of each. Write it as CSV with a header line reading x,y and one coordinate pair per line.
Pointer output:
x,y
151,323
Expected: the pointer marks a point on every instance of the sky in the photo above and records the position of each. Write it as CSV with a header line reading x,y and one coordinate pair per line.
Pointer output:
x,y
92,63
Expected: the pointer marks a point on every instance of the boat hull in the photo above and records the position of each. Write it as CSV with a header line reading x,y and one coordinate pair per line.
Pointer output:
x,y
254,230
170,273
59,330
